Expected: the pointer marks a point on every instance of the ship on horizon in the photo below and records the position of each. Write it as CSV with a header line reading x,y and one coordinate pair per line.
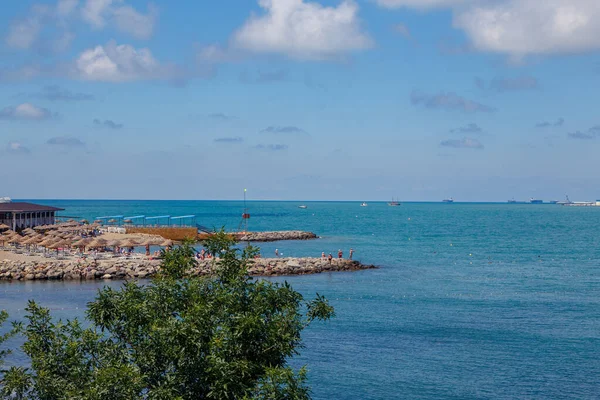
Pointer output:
x,y
512,201
448,200
535,201
394,203
565,202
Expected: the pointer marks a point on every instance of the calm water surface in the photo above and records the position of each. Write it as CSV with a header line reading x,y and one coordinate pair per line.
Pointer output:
x,y
473,301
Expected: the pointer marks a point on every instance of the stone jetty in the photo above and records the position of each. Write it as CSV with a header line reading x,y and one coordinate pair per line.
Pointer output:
x,y
13,270
276,236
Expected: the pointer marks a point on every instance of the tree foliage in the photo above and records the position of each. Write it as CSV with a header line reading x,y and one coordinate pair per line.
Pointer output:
x,y
178,337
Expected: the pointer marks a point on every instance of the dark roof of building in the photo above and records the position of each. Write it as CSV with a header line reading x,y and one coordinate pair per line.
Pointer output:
x,y
26,207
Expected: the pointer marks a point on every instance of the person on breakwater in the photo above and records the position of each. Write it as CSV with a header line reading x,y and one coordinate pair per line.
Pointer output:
x,y
276,252
351,252
323,256
340,254
330,258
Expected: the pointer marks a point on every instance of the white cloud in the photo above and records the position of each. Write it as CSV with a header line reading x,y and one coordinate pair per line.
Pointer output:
x,y
524,27
65,8
25,112
117,63
303,30
49,25
520,28
17,148
95,12
98,12
23,33
136,24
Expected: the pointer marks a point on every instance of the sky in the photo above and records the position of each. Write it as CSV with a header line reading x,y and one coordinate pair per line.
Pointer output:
x,y
420,100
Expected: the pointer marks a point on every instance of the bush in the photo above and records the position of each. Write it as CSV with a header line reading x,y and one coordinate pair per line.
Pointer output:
x,y
179,337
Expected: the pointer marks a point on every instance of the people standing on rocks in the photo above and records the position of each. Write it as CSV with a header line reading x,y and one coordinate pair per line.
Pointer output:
x,y
330,258
276,253
323,256
351,252
340,254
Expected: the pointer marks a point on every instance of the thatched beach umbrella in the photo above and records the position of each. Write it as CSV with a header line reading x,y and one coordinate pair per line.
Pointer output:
x,y
99,242
61,244
84,221
82,243
31,240
6,236
29,232
48,242
3,227
129,243
16,239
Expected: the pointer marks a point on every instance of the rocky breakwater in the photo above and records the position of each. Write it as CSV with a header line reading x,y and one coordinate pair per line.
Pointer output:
x,y
77,270
139,269
276,236
303,266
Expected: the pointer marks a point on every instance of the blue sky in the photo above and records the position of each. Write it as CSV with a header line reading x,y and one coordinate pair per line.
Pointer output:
x,y
481,100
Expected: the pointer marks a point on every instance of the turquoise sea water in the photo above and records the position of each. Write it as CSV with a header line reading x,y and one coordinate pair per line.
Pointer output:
x,y
473,301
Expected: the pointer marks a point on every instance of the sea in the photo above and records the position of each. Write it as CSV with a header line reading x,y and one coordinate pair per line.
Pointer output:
x,y
471,300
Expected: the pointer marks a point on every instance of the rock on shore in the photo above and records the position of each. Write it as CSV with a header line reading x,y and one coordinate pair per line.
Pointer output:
x,y
276,236
131,269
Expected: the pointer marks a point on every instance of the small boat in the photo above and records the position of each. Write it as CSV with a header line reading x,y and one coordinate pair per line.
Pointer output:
x,y
553,202
535,201
450,200
394,203
512,201
363,204
302,206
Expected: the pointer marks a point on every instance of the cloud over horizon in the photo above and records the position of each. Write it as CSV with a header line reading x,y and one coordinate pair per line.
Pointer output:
x,y
470,128
448,101
284,130
56,93
591,133
25,112
66,141
272,147
17,148
466,143
229,140
107,123
504,84
546,124
221,116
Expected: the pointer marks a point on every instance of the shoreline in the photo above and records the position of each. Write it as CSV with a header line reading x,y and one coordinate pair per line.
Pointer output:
x,y
123,269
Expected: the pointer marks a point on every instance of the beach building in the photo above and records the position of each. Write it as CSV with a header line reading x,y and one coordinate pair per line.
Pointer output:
x,y
21,215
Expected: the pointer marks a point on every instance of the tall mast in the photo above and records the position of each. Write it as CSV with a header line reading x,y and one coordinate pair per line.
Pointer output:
x,y
245,216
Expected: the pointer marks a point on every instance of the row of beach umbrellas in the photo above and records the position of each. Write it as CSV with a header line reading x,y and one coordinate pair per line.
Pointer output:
x,y
58,239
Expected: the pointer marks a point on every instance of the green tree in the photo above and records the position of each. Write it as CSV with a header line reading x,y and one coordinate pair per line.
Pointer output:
x,y
179,337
